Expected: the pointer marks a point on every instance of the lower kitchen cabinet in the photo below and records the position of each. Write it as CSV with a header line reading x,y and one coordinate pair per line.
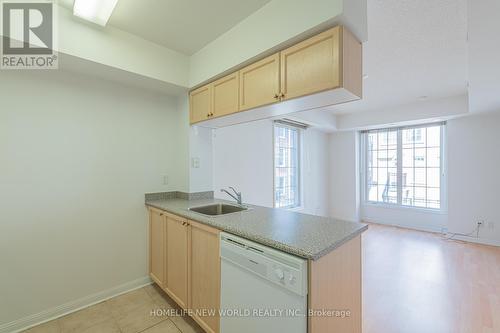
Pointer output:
x,y
184,261
177,259
205,276
157,259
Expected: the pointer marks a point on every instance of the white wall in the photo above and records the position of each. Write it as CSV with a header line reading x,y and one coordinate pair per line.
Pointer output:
x,y
274,23
119,49
316,166
197,143
404,217
483,70
243,158
200,149
473,175
76,157
343,180
419,112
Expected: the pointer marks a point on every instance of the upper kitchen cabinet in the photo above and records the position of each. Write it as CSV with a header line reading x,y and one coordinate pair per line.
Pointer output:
x,y
260,83
317,64
200,104
225,95
321,71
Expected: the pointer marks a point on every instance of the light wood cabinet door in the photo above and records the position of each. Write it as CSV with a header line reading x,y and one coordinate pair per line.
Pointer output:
x,y
260,83
200,104
312,66
157,234
225,95
177,259
205,274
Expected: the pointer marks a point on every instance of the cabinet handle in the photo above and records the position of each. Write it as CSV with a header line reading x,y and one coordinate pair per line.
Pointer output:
x,y
276,96
208,115
282,95
211,114
161,214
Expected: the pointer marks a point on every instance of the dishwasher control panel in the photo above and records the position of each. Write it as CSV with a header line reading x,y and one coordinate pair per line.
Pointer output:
x,y
284,269
287,276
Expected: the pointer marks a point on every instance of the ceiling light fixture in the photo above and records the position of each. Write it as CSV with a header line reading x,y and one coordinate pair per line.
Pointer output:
x,y
96,11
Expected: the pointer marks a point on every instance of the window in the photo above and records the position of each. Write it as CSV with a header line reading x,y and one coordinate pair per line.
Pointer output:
x,y
403,166
286,166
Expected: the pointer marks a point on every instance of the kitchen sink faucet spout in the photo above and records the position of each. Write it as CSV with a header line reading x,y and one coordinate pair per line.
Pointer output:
x,y
236,196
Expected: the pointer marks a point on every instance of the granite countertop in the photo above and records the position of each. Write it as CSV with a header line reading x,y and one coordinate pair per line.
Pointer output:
x,y
303,235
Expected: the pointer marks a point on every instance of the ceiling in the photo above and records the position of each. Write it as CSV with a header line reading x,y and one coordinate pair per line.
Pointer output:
x,y
185,26
415,48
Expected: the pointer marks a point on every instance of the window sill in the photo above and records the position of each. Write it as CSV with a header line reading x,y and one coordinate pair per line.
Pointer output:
x,y
295,209
407,208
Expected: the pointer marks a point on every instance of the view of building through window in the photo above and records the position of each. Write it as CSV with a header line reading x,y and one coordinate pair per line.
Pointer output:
x,y
403,166
286,166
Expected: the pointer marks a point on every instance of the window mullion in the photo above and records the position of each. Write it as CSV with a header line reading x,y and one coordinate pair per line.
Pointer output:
x,y
400,167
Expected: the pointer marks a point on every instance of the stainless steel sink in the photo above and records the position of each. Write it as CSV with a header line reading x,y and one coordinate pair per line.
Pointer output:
x,y
218,209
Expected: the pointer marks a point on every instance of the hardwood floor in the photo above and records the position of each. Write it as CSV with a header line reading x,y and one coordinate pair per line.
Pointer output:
x,y
419,282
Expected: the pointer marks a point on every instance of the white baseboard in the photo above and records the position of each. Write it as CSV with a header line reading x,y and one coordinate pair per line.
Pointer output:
x,y
470,239
440,230
64,309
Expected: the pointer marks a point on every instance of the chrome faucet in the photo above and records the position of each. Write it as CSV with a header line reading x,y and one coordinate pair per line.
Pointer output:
x,y
236,197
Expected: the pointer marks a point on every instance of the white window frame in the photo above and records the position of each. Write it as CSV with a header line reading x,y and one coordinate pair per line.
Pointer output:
x,y
443,165
300,191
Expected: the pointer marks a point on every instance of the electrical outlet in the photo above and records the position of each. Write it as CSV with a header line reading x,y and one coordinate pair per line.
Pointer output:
x,y
195,162
165,179
491,225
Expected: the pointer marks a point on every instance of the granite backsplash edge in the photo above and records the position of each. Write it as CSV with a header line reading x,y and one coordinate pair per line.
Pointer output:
x,y
179,195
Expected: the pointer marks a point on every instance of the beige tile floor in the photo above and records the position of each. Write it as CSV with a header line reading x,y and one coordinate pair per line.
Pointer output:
x,y
127,313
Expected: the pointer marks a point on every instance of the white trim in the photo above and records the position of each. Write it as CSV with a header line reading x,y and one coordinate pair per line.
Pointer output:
x,y
443,167
471,239
452,237
67,308
300,138
393,127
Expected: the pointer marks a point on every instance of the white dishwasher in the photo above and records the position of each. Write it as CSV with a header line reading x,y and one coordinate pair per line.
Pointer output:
x,y
262,290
